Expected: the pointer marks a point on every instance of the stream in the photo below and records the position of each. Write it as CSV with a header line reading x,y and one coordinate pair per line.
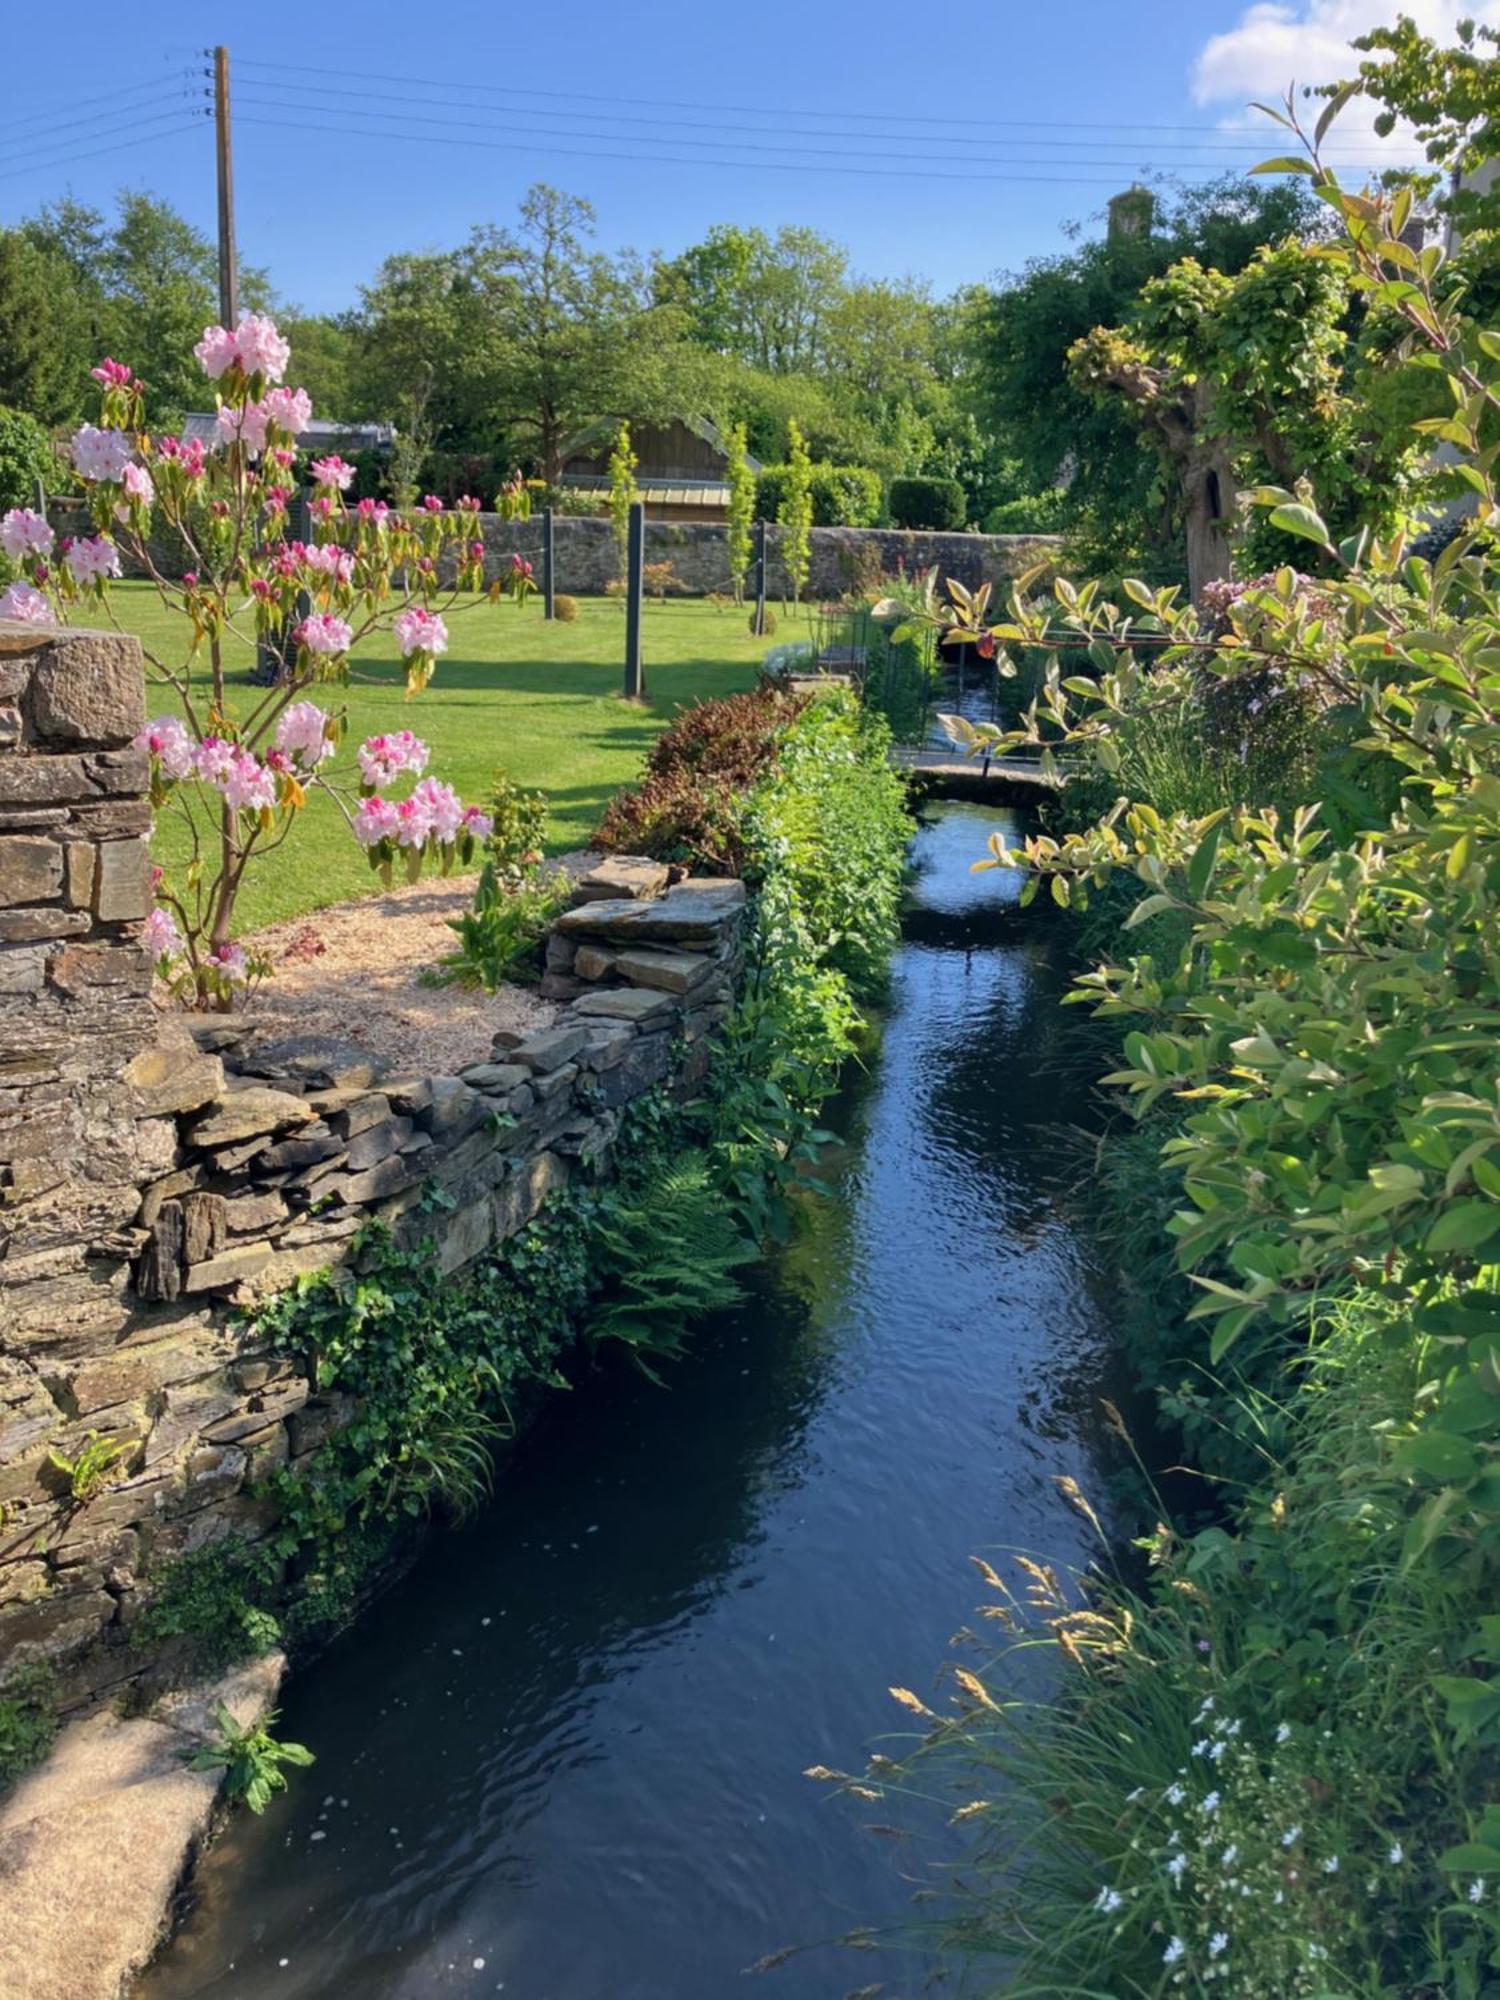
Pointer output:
x,y
562,1759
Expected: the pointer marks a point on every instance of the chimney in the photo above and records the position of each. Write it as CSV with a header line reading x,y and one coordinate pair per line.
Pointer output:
x,y
1131,214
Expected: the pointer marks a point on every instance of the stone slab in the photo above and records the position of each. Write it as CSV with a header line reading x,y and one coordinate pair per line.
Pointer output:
x,y
95,1841
695,909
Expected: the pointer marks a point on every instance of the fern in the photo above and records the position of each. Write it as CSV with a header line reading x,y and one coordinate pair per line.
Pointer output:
x,y
667,1256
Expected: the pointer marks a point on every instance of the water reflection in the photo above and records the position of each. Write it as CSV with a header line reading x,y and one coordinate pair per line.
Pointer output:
x,y
562,1760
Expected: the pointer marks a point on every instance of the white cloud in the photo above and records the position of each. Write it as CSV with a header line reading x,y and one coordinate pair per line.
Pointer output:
x,y
1276,44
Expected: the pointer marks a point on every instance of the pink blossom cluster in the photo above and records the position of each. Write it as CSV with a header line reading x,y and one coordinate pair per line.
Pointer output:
x,y
92,559
431,504
289,410
19,600
333,471
101,455
237,775
230,962
163,939
433,812
373,510
24,532
171,747
113,374
138,484
382,759
419,631
302,735
322,633
189,455
326,559
255,348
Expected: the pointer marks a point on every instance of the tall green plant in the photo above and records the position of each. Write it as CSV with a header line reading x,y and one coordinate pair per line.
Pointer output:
x,y
741,517
795,513
622,493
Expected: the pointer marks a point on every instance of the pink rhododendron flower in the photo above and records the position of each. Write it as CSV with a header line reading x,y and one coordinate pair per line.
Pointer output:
x,y
101,455
247,785
431,503
302,734
323,633
246,426
19,600
24,532
213,759
477,822
187,454
276,498
113,374
382,758
163,939
230,960
328,559
467,504
259,348
413,822
419,631
93,559
289,409
374,821
321,507
333,471
443,806
169,743
138,483
217,352
373,510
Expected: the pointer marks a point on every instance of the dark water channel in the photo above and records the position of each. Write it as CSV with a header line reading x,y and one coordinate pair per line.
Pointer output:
x,y
561,1760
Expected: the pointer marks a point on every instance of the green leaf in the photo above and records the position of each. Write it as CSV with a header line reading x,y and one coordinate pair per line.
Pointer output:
x,y
1307,522
1286,163
1463,1227
1470,1859
1439,1456
1201,867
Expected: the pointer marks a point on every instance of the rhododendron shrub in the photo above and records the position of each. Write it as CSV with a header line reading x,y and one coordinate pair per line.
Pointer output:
x,y
240,784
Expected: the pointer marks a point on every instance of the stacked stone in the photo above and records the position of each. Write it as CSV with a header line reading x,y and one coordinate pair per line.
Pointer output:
x,y
156,1171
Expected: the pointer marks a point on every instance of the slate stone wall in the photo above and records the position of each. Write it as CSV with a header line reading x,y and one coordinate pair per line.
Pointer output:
x,y
160,1173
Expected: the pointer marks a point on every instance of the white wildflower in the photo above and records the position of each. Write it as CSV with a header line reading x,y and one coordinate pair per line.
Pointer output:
x,y
1210,1802
1218,1944
1200,1747
1177,1867
1174,1951
1476,1891
1283,1732
1174,1795
1292,1835
1216,1750
1227,1857
1397,1854
1109,1900
1331,1865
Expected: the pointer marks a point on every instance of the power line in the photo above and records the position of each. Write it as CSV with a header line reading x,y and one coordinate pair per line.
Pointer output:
x,y
549,146
760,111
108,123
190,121
1222,143
76,103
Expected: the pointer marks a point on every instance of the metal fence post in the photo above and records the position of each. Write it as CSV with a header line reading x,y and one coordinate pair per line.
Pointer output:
x,y
759,625
635,565
549,567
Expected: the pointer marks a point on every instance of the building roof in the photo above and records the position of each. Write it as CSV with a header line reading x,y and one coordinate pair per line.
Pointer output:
x,y
662,492
699,426
320,433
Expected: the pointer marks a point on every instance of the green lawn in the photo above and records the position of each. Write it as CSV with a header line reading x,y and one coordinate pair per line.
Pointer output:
x,y
542,700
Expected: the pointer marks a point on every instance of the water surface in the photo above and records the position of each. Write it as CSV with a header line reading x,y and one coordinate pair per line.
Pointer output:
x,y
562,1760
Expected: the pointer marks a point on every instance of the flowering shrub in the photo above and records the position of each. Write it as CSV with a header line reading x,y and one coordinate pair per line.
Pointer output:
x,y
240,785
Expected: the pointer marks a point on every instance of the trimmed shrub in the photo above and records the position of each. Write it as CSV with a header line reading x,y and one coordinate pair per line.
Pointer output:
x,y
927,503
564,607
843,496
1031,514
26,460
690,804
770,624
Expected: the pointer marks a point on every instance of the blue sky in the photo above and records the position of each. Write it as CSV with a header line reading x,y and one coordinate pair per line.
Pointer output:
x,y
980,127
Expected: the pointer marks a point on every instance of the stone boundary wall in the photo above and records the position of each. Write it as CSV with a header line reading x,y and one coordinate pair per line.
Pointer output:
x,y
158,1172
587,559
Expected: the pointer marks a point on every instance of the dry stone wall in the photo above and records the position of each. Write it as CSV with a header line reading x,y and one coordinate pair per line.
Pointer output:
x,y
160,1174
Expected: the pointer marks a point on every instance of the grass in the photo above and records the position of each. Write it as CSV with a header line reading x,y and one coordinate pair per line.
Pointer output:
x,y
542,700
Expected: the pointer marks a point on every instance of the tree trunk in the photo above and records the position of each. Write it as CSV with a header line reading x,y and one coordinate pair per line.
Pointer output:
x,y
1208,497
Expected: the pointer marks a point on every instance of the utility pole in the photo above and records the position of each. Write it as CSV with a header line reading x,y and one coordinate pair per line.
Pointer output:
x,y
635,559
229,277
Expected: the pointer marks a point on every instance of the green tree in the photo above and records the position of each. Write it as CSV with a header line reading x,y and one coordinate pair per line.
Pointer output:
x,y
741,515
796,512
1242,382
26,462
45,332
622,492
1451,96
764,300
1017,381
